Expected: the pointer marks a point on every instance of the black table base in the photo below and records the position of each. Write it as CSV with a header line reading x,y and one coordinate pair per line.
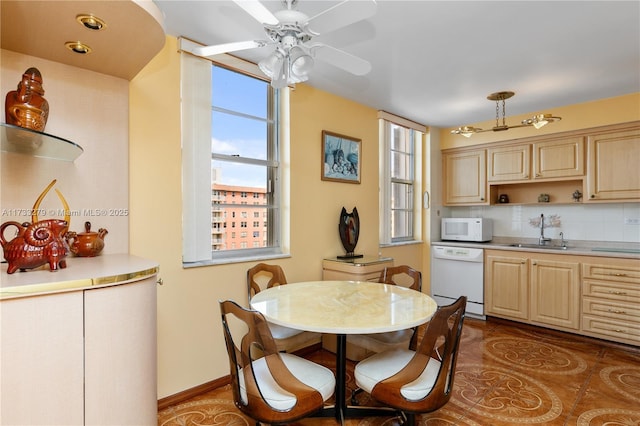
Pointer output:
x,y
341,411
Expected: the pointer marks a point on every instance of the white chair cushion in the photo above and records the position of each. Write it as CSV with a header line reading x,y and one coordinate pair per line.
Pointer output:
x,y
309,373
281,332
383,365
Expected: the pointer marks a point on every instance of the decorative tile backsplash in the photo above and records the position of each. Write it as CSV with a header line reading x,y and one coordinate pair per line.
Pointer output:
x,y
590,222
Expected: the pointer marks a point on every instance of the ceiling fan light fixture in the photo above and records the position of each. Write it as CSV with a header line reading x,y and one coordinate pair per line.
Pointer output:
x,y
300,63
272,64
536,121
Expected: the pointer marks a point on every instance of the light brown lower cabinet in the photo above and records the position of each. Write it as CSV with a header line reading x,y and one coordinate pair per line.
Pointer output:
x,y
537,288
591,296
611,299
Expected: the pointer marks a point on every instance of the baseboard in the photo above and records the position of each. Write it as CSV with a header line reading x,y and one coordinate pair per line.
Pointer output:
x,y
187,394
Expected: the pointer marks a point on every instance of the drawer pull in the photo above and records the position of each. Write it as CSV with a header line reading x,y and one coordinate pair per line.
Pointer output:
x,y
618,330
618,293
617,274
615,311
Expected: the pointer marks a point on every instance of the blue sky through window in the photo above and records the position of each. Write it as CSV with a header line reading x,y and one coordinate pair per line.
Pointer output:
x,y
236,134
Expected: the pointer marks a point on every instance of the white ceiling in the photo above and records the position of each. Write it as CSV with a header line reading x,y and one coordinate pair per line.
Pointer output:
x,y
435,62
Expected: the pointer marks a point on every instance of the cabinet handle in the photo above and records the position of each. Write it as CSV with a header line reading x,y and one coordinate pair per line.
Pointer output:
x,y
593,196
537,174
615,311
534,263
617,274
618,330
160,281
619,293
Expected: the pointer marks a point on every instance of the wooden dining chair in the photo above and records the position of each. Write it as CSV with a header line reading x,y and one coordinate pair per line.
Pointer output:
x,y
402,275
421,380
263,276
267,385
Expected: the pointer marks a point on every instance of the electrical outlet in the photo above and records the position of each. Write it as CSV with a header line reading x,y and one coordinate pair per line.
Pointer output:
x,y
632,221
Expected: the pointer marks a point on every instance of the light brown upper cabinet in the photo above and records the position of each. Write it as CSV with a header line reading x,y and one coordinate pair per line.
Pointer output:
x,y
549,159
614,159
465,177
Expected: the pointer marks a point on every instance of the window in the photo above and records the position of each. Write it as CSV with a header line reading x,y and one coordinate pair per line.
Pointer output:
x,y
232,146
400,180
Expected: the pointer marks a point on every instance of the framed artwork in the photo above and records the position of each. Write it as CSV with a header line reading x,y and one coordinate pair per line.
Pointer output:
x,y
341,156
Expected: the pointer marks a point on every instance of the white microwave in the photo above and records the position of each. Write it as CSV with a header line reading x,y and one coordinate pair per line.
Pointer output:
x,y
467,229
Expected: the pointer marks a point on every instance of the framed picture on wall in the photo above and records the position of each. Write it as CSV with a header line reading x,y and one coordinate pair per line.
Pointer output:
x,y
341,157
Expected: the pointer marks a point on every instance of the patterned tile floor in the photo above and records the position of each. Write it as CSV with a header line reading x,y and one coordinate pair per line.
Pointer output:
x,y
507,374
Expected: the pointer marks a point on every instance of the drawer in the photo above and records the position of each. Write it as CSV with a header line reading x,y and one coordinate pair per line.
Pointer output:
x,y
617,273
617,330
611,309
613,291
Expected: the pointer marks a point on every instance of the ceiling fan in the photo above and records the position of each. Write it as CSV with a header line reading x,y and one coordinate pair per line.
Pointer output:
x,y
291,32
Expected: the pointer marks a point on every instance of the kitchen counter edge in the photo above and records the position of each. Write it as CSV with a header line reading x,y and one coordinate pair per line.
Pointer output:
x,y
81,273
577,248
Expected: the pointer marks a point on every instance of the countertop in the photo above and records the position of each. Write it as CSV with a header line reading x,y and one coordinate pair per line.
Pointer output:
x,y
576,248
80,273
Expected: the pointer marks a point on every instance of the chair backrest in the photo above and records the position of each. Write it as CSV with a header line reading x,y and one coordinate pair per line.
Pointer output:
x,y
402,275
264,276
440,341
256,358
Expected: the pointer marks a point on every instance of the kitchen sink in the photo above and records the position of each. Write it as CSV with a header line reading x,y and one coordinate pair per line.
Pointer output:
x,y
538,246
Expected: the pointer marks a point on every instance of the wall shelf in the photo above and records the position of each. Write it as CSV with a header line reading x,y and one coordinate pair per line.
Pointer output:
x,y
37,144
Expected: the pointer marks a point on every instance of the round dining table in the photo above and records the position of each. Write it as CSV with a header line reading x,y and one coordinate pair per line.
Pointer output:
x,y
341,308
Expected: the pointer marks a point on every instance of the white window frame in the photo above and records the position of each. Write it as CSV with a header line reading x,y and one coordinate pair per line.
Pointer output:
x,y
196,163
386,123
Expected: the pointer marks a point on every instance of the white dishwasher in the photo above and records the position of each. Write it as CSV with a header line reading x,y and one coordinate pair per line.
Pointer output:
x,y
455,272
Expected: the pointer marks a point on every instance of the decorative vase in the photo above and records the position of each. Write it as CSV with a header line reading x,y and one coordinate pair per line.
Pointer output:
x,y
349,229
26,107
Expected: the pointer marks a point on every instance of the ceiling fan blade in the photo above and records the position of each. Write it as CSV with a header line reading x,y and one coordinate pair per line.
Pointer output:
x,y
340,58
342,14
258,11
227,47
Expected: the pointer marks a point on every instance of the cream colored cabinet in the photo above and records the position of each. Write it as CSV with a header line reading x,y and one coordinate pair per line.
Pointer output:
x,y
358,269
611,299
41,358
549,159
554,297
465,177
506,284
120,354
613,166
537,288
79,345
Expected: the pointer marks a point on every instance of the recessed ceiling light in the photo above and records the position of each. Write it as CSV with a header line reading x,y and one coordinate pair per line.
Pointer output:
x,y
91,22
78,47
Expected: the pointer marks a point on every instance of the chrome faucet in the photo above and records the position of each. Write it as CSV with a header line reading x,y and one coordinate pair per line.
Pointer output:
x,y
542,240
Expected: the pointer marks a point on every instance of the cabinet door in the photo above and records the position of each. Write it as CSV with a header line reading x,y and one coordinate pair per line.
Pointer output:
x,y
558,158
506,285
120,354
41,358
613,166
555,293
508,163
465,177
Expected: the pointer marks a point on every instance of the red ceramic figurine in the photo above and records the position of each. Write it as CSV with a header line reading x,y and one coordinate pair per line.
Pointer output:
x,y
39,242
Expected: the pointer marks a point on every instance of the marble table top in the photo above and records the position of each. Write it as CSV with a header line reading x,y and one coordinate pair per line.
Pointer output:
x,y
344,307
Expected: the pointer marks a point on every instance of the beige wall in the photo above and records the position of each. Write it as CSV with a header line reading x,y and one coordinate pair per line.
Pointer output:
x,y
190,343
91,110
